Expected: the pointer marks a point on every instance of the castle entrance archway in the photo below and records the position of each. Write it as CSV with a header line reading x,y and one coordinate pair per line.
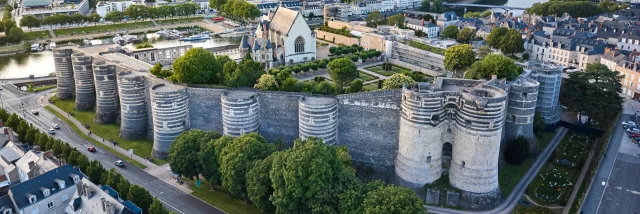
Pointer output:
x,y
447,149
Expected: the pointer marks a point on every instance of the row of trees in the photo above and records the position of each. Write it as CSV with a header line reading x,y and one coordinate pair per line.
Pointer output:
x,y
29,134
310,177
558,8
509,41
431,6
59,19
13,33
144,12
238,10
461,58
486,13
466,35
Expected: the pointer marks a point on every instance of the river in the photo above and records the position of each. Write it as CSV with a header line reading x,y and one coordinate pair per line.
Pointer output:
x,y
513,3
41,63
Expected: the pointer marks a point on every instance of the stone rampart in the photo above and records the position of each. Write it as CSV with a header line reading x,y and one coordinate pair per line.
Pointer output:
x,y
83,75
64,73
337,39
523,96
279,116
133,105
170,111
205,108
240,112
106,93
318,117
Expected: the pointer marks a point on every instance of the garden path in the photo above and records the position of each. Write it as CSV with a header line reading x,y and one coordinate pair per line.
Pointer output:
x,y
547,206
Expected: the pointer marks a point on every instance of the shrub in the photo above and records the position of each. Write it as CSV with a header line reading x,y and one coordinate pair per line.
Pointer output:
x,y
517,151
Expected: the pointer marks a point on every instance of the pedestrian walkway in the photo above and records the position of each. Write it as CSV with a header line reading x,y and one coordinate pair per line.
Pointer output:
x,y
154,23
53,33
162,172
540,205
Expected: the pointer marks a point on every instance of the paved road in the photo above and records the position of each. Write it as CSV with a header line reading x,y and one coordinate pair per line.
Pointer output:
x,y
615,188
174,199
509,203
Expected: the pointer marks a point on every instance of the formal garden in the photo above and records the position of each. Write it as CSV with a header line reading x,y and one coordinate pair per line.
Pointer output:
x,y
386,70
555,182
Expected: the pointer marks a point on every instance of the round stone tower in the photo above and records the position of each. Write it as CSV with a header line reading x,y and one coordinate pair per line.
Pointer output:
x,y
106,92
317,117
239,112
476,148
64,73
83,75
133,107
523,95
421,138
170,112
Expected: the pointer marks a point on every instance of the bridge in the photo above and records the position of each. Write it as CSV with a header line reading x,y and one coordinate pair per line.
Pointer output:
x,y
483,5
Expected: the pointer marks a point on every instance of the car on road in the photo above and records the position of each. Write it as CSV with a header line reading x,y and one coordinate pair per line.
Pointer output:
x,y
631,131
119,163
55,126
51,131
628,123
636,135
35,112
91,149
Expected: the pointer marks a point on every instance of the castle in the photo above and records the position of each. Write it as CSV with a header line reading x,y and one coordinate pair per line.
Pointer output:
x,y
405,135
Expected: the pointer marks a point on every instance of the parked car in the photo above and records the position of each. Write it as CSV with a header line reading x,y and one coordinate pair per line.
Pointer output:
x,y
633,131
628,123
51,131
119,163
35,112
91,149
634,135
55,126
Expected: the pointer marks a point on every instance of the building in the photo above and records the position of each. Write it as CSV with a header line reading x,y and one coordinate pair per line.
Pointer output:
x,y
368,6
50,192
260,49
35,163
44,8
204,5
427,27
550,79
92,198
406,4
10,153
446,19
565,47
104,7
289,46
414,58
267,7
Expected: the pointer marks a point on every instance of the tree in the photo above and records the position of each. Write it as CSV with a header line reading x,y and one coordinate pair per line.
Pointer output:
x,y
512,43
267,82
459,57
16,35
342,71
4,115
94,18
209,158
472,15
308,178
72,159
289,84
493,64
496,35
437,6
22,130
594,92
538,123
144,45
517,151
483,51
31,135
425,5
29,21
238,157
181,152
558,8
13,121
486,13
141,197
466,35
195,66
95,172
82,162
259,187
123,187
156,69
396,81
113,179
311,15
114,16
351,200
77,19
393,199
157,208
397,20
450,32
246,73
355,86
373,19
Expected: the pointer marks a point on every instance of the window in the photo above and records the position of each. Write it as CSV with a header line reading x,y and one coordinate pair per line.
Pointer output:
x,y
463,163
32,199
429,159
50,205
299,45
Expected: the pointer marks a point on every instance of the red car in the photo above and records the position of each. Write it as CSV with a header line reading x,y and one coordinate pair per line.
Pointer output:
x,y
634,135
91,149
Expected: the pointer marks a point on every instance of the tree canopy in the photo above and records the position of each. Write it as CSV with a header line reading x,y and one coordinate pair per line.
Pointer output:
x,y
594,92
267,82
29,21
517,151
342,71
393,199
450,32
466,35
493,64
459,57
396,81
183,157
238,157
512,43
573,8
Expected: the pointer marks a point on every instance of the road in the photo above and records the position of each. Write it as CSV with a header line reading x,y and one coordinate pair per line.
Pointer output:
x,y
509,203
615,188
175,199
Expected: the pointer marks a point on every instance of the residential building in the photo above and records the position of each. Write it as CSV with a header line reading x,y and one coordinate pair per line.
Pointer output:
x,y
6,205
50,192
35,163
267,7
104,7
44,8
427,27
92,198
406,4
10,154
446,19
368,6
204,5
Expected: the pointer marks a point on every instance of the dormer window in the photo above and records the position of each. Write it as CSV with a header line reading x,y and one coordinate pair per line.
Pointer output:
x,y
32,199
76,178
7,211
46,192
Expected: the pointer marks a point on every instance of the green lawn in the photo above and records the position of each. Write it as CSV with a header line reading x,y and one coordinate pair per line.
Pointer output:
x,y
41,88
102,146
103,28
370,87
378,70
30,35
140,147
366,77
178,20
220,199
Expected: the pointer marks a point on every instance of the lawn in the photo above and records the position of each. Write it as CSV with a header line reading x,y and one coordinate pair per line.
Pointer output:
x,y
370,87
140,147
103,28
220,199
366,77
102,146
178,20
394,69
40,88
30,35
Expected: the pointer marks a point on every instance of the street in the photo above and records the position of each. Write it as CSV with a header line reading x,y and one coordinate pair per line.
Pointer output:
x,y
175,199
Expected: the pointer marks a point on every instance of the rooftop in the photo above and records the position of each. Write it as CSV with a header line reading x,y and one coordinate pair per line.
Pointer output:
x,y
31,187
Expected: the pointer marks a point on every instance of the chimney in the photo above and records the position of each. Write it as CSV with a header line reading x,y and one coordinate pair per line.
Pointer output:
x,y
422,22
607,50
11,135
32,165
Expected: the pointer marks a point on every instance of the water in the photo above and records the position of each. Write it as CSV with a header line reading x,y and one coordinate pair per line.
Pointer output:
x,y
41,63
513,3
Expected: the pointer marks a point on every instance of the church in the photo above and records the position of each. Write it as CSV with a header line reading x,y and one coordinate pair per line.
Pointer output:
x,y
283,38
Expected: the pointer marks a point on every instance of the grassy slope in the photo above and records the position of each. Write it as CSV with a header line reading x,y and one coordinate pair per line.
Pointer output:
x,y
178,20
103,28
29,35
220,199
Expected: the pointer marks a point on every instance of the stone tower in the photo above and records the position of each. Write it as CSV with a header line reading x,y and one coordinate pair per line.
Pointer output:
x,y
107,107
240,112
523,95
64,73
317,117
170,111
83,75
133,106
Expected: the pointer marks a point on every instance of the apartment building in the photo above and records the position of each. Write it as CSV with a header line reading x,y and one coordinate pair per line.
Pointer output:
x,y
50,192
427,27
105,7
368,6
406,4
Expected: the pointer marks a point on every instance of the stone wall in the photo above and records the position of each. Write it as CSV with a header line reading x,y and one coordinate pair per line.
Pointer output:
x,y
240,112
318,117
279,116
170,111
205,108
338,24
413,67
368,125
160,55
337,39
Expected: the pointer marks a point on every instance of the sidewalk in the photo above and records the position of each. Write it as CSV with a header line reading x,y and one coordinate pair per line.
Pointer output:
x,y
161,172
